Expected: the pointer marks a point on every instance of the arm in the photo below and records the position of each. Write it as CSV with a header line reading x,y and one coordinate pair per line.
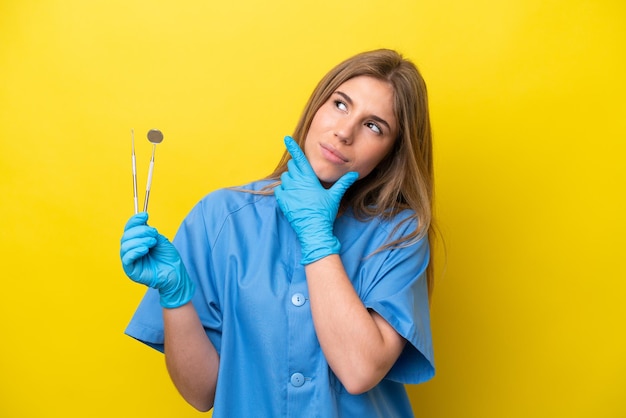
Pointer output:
x,y
150,259
359,345
191,359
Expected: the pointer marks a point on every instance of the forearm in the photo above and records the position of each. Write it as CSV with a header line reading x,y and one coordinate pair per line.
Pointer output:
x,y
359,345
191,359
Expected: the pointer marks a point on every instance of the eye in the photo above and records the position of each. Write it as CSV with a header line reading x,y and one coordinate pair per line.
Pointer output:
x,y
341,105
374,127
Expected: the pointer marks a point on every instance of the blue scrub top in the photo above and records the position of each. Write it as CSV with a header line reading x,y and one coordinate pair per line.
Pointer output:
x,y
252,300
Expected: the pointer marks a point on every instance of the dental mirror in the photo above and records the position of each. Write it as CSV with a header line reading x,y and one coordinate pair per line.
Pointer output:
x,y
155,137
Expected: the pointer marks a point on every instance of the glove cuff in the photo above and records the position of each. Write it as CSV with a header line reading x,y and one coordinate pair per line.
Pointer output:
x,y
178,292
329,246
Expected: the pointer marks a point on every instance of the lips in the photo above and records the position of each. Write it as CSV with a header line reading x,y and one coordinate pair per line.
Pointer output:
x,y
331,154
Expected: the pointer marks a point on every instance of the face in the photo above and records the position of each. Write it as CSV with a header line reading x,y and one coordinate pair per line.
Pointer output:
x,y
353,131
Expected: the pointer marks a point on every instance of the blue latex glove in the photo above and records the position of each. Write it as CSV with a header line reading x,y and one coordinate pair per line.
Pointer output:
x,y
150,259
310,208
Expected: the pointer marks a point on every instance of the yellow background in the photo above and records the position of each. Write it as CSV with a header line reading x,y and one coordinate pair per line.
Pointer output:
x,y
529,115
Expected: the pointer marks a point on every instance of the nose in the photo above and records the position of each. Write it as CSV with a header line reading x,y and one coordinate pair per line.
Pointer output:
x,y
345,130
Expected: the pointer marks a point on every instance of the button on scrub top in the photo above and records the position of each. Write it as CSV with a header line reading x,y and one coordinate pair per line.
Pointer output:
x,y
252,299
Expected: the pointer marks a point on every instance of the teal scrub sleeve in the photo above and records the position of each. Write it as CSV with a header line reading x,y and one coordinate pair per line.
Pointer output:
x,y
192,244
400,295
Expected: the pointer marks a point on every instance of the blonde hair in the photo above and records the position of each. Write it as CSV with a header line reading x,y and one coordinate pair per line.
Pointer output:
x,y
404,178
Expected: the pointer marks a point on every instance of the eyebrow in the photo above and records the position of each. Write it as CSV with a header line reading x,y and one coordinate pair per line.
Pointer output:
x,y
376,118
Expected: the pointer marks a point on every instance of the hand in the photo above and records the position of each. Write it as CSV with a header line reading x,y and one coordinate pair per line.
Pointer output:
x,y
310,208
150,259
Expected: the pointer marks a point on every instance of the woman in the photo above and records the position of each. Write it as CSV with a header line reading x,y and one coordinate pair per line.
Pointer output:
x,y
306,292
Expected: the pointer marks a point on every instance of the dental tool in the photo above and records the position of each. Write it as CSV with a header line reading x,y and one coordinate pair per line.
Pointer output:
x,y
132,134
155,137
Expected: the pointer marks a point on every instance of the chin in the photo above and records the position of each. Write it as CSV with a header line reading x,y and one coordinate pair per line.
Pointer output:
x,y
327,181
326,177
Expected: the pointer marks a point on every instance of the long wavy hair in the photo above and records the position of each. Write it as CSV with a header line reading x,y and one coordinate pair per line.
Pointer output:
x,y
404,178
